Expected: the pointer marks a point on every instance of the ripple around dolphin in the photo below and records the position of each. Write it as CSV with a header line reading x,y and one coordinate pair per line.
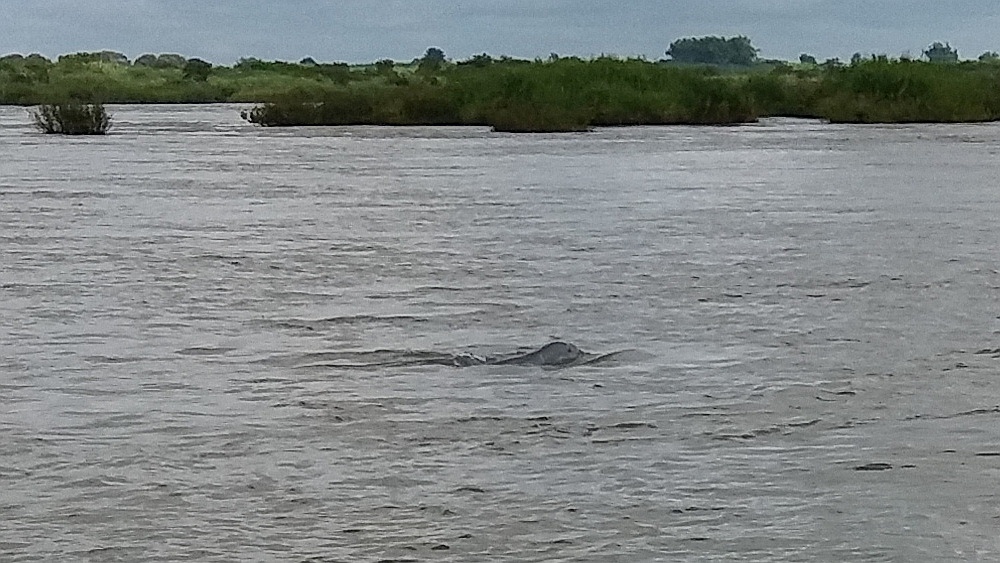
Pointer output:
x,y
553,355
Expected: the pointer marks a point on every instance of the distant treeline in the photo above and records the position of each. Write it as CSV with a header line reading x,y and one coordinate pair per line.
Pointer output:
x,y
554,94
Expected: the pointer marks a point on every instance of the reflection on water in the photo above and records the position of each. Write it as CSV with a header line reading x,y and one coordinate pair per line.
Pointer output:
x,y
794,304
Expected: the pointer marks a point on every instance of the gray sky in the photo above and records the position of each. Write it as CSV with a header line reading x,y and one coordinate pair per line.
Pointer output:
x,y
222,31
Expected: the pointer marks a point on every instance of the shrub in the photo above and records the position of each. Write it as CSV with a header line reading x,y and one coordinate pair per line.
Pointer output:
x,y
72,118
416,104
336,107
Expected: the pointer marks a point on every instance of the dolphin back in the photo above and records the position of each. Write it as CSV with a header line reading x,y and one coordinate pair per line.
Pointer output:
x,y
552,354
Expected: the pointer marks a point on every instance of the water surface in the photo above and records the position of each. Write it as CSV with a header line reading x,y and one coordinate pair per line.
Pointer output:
x,y
207,328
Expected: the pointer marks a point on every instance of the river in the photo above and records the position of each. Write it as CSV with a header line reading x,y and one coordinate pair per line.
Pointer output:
x,y
215,342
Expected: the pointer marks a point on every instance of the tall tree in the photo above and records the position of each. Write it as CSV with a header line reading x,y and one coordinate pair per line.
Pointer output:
x,y
432,60
938,53
713,51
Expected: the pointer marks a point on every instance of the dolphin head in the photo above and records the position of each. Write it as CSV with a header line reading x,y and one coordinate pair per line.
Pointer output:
x,y
558,353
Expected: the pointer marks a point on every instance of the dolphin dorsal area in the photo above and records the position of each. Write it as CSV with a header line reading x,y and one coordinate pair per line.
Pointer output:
x,y
552,354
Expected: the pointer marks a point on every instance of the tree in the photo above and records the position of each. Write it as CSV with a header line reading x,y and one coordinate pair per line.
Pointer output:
x,y
938,53
856,59
385,66
166,60
95,57
80,58
197,70
145,60
113,57
989,57
434,54
807,59
249,63
736,51
478,61
170,60
432,60
308,61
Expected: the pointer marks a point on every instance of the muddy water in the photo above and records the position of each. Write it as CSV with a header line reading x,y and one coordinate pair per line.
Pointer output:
x,y
211,343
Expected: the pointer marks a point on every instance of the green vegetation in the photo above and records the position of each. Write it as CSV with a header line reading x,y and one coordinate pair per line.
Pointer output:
x,y
567,94
721,51
709,80
884,91
72,118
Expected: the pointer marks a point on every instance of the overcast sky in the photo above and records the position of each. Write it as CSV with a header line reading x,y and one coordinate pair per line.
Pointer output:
x,y
222,31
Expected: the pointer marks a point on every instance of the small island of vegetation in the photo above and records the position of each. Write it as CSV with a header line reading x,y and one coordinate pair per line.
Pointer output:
x,y
707,80
72,118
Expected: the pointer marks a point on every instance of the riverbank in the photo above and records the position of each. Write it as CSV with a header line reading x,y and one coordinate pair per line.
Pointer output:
x,y
560,94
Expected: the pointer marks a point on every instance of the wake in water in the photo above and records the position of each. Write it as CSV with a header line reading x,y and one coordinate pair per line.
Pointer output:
x,y
553,355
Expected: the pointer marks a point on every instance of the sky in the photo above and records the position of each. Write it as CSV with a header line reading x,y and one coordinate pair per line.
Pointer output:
x,y
360,31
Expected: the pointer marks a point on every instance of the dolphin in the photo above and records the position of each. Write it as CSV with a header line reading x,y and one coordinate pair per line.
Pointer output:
x,y
552,354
